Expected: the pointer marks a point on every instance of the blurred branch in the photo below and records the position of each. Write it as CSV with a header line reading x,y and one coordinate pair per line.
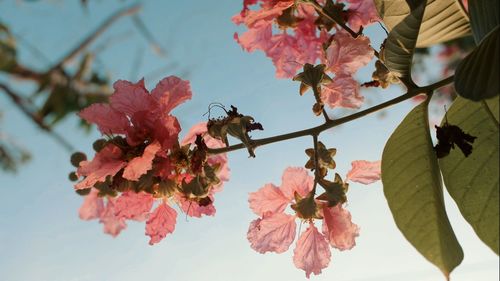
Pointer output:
x,y
89,39
22,104
144,31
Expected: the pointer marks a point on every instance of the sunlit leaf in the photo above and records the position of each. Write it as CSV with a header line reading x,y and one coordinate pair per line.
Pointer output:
x,y
412,186
473,181
478,75
400,44
443,20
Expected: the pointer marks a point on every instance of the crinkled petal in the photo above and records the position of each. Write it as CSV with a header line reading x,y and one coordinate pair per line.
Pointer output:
x,y
346,54
160,223
364,172
135,206
170,92
256,38
92,207
296,179
312,253
106,162
112,224
166,131
130,98
343,91
273,233
338,228
107,119
141,164
268,198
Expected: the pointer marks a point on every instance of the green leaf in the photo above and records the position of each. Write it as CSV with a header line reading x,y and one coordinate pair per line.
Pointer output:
x,y
477,76
443,20
398,51
7,49
473,181
412,187
484,16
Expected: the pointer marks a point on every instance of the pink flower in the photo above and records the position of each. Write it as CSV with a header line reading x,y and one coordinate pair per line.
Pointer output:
x,y
343,91
346,54
160,223
288,50
275,230
139,115
361,13
364,172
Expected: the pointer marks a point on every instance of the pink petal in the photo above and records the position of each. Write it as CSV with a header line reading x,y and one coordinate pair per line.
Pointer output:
x,y
256,38
338,228
364,172
107,119
268,198
112,224
160,223
106,162
166,131
273,233
296,180
312,253
92,206
346,54
141,164
130,98
135,206
343,91
170,92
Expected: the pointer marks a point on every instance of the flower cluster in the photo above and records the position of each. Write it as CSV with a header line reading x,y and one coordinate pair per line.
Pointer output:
x,y
275,229
293,33
140,169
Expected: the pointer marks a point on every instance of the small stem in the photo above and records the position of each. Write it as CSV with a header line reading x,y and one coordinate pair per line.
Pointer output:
x,y
333,123
317,96
316,163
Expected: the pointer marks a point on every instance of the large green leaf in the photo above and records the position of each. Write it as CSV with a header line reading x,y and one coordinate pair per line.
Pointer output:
x,y
473,181
412,186
398,51
484,16
443,20
477,76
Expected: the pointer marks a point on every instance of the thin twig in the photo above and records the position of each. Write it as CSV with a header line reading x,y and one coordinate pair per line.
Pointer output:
x,y
333,123
21,103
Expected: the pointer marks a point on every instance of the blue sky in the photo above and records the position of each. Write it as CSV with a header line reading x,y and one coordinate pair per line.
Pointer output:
x,y
41,237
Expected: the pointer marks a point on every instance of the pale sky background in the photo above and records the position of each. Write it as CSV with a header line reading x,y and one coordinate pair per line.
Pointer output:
x,y
42,238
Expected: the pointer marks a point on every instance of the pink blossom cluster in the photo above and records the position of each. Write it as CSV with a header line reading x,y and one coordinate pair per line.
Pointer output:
x,y
141,170
275,229
291,34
